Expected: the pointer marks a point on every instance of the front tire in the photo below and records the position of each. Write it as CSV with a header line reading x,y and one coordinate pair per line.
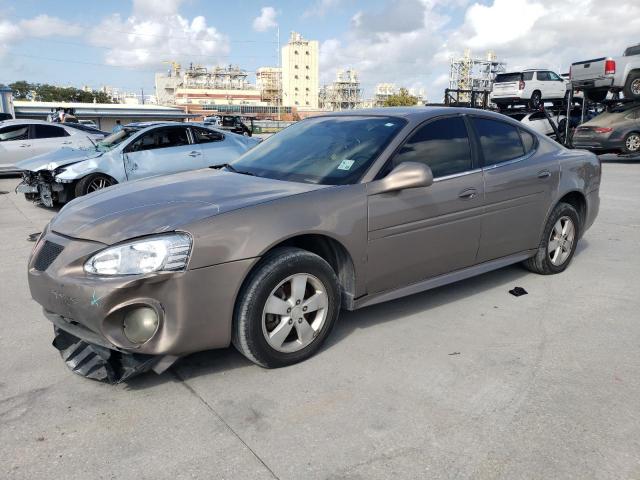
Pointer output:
x,y
558,243
93,183
286,309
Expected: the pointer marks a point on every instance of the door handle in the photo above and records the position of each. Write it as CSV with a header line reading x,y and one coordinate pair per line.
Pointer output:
x,y
544,174
194,154
67,143
468,194
24,145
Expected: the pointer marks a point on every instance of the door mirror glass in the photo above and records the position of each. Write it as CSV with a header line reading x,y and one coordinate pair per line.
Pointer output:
x,y
405,175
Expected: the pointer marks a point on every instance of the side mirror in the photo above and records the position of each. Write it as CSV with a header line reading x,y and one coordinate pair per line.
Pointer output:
x,y
406,175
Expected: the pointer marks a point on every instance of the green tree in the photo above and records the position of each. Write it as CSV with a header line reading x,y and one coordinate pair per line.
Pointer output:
x,y
43,92
401,99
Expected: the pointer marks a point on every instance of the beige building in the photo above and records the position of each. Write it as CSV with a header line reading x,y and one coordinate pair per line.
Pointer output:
x,y
300,73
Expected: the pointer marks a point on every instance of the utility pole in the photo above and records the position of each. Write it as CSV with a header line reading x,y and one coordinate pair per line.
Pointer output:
x,y
279,74
142,95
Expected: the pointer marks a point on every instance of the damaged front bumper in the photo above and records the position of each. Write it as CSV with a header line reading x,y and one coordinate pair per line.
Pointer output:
x,y
97,362
42,187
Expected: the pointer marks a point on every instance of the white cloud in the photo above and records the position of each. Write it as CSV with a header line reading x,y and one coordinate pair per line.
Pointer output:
x,y
266,20
45,26
41,26
410,42
151,39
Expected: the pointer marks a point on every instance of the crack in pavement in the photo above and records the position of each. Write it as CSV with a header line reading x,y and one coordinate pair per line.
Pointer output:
x,y
212,410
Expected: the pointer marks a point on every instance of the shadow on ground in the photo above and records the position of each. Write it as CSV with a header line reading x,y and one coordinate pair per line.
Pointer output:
x,y
216,361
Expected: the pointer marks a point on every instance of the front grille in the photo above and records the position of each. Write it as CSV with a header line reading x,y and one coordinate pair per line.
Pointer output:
x,y
47,255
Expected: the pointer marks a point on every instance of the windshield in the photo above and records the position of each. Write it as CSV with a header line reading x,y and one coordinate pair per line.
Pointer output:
x,y
325,150
115,139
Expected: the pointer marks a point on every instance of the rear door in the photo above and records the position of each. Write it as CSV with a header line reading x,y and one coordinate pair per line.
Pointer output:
x,y
420,233
217,148
45,138
161,151
518,187
14,144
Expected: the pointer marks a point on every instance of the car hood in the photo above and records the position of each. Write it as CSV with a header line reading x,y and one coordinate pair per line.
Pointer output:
x,y
57,158
166,203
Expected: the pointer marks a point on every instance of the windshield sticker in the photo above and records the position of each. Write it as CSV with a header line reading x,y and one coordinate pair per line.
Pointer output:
x,y
346,164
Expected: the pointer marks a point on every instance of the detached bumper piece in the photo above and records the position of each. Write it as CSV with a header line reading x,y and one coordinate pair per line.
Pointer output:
x,y
100,363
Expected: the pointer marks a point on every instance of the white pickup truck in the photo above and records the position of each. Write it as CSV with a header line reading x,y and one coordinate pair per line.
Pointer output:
x,y
616,74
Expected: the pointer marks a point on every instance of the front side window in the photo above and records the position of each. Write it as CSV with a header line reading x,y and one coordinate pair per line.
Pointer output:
x,y
500,142
554,77
49,131
203,135
14,132
328,150
442,145
161,138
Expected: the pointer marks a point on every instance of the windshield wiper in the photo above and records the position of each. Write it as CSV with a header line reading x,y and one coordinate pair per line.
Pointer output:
x,y
94,143
228,166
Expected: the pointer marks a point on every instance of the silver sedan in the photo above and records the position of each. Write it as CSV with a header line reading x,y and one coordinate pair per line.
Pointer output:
x,y
137,151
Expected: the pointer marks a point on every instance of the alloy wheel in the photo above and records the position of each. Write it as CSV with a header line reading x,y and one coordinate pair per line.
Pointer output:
x,y
561,241
635,87
295,313
98,184
633,142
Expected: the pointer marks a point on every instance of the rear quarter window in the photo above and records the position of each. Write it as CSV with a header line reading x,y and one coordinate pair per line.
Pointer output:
x,y
528,141
499,141
508,77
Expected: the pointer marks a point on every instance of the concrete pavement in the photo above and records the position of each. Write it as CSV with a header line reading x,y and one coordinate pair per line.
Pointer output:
x,y
465,381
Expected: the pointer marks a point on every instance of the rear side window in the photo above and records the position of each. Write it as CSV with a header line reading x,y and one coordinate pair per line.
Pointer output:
x,y
543,76
14,132
635,50
203,135
528,141
443,145
500,142
49,131
508,77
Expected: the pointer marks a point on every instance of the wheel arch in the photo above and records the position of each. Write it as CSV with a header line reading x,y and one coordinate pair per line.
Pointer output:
x,y
577,200
330,250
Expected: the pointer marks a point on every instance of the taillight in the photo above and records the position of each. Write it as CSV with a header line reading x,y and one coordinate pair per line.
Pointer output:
x,y
521,85
603,130
609,67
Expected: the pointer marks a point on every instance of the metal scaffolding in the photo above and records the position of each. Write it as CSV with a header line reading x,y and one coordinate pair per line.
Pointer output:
x,y
344,93
471,74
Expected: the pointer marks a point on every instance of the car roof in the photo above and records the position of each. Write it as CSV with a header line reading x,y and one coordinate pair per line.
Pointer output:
x,y
29,121
152,124
413,113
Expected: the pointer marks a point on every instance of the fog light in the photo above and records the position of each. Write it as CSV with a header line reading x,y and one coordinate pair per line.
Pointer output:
x,y
140,324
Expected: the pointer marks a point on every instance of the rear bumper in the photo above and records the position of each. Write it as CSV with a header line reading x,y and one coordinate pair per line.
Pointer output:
x,y
593,207
592,142
593,83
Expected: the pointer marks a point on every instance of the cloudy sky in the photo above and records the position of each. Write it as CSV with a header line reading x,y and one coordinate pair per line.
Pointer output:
x,y
408,42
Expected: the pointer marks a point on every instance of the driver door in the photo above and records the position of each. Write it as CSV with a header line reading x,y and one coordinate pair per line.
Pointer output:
x,y
162,151
419,233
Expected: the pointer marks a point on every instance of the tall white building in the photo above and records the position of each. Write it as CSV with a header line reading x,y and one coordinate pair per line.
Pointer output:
x,y
300,73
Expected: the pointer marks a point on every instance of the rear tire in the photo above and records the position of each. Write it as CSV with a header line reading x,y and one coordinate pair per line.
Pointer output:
x,y
93,183
558,243
536,100
276,322
632,87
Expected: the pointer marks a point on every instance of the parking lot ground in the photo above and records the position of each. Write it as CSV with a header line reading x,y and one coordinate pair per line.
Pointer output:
x,y
466,381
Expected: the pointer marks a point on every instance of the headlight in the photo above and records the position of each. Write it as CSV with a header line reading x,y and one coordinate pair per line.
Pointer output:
x,y
152,254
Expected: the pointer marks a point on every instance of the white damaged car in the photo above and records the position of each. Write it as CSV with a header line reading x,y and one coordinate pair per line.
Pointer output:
x,y
139,150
